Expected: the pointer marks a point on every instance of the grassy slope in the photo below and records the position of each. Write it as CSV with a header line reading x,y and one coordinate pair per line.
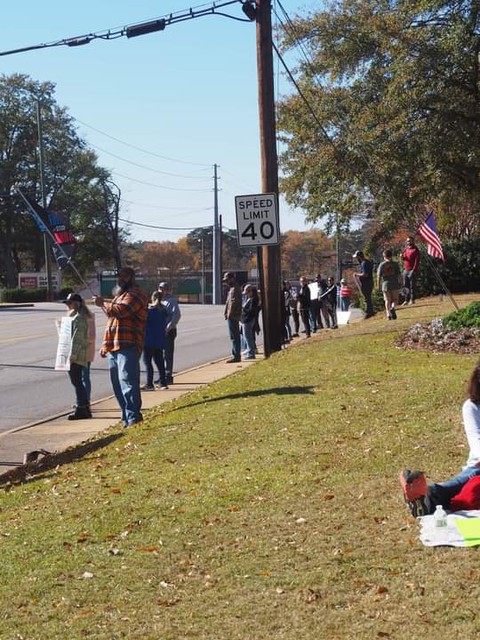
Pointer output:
x,y
264,506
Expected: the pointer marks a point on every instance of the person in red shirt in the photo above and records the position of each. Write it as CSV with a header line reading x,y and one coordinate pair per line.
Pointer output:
x,y
411,264
346,294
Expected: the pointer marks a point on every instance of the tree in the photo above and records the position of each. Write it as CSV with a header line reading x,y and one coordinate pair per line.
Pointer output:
x,y
163,260
306,253
201,240
234,257
392,111
72,179
99,219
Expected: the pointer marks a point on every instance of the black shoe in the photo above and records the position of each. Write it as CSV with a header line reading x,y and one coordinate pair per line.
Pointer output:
x,y
419,507
232,360
393,313
80,414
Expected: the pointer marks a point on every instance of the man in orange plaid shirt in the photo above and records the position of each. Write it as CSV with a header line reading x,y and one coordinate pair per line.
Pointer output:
x,y
123,343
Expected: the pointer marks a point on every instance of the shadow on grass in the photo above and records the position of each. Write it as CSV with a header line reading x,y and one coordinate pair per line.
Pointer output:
x,y
278,391
28,472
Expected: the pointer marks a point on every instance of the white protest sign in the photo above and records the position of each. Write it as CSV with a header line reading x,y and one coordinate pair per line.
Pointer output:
x,y
64,348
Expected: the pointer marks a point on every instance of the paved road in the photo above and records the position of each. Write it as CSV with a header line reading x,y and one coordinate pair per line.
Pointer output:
x,y
30,388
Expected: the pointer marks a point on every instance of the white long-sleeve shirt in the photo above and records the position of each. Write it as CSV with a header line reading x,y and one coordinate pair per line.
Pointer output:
x,y
471,423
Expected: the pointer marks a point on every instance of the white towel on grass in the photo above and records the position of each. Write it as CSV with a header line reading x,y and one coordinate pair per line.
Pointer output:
x,y
462,530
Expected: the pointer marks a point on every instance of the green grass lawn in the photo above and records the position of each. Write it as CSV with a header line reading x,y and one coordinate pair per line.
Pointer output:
x,y
265,506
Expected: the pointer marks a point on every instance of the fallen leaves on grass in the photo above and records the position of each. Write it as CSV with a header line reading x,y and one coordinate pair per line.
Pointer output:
x,y
150,549
167,603
310,595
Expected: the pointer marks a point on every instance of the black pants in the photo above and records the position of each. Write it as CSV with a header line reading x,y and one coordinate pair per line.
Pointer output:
x,y
169,349
367,294
305,313
157,355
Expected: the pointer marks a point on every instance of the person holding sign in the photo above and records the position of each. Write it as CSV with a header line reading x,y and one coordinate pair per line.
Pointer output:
x,y
77,321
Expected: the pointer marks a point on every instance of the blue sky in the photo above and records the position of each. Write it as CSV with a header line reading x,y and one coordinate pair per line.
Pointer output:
x,y
175,102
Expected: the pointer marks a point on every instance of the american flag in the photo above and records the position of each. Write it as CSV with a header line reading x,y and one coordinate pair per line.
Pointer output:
x,y
429,234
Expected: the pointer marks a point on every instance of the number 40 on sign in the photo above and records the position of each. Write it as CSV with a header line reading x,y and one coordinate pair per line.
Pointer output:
x,y
257,219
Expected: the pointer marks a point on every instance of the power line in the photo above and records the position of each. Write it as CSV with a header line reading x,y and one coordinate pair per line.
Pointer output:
x,y
187,210
138,29
158,186
153,226
151,153
142,166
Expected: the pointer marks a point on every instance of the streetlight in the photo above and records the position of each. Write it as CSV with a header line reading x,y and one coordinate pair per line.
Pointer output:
x,y
46,248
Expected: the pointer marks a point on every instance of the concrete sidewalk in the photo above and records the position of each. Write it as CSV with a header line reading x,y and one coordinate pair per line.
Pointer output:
x,y
57,433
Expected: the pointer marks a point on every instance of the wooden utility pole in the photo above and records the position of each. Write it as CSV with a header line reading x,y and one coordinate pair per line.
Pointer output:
x,y
269,256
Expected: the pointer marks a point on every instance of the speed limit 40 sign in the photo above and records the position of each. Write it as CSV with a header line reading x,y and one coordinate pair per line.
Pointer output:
x,y
257,220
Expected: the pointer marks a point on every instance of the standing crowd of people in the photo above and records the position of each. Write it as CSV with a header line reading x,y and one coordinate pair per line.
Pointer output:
x,y
134,326
391,280
315,306
241,312
137,326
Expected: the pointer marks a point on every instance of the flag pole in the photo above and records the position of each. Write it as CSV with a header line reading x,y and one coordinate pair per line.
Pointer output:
x,y
52,238
441,281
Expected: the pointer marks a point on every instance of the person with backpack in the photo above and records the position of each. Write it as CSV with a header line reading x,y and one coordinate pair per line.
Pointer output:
x,y
389,282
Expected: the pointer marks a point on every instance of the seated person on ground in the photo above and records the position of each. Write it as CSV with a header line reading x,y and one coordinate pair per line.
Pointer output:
x,y
421,498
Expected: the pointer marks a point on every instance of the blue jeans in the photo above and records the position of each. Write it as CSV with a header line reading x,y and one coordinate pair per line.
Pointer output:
x,y
87,383
75,374
288,329
345,303
443,492
409,278
248,330
124,368
234,333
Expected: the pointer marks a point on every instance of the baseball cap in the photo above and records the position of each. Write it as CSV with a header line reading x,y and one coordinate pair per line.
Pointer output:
x,y
228,274
73,297
357,254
